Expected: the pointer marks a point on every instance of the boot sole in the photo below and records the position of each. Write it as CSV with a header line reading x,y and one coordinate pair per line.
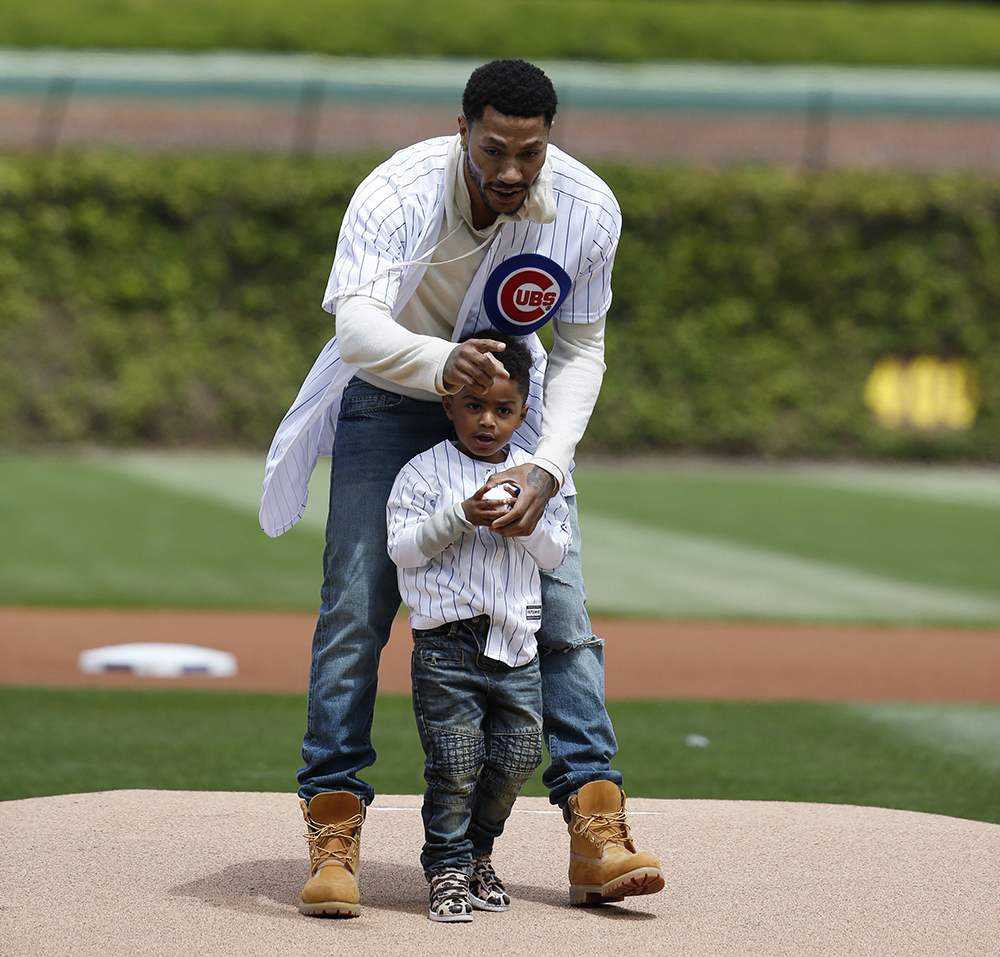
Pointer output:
x,y
643,880
330,909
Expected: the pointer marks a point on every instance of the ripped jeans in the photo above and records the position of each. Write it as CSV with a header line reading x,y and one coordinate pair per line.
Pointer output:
x,y
480,724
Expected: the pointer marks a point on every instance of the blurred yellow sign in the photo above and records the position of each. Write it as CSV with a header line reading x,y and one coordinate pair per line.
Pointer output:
x,y
922,393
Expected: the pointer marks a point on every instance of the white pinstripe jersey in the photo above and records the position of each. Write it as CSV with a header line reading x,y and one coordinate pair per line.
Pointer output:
x,y
395,216
481,573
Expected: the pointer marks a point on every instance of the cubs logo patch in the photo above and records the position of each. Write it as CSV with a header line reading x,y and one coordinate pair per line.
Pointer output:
x,y
524,292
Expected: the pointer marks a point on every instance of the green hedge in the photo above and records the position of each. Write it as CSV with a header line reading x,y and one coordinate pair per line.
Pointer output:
x,y
892,32
161,300
751,306
175,300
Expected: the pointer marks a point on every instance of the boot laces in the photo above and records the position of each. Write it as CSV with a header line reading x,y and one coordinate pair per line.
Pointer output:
x,y
320,838
604,828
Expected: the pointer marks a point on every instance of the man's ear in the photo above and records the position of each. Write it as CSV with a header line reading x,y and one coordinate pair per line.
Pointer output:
x,y
446,402
463,131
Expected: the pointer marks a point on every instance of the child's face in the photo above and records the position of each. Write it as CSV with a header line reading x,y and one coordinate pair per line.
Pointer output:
x,y
485,423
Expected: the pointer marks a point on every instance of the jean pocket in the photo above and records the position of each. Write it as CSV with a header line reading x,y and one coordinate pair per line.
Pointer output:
x,y
438,657
362,399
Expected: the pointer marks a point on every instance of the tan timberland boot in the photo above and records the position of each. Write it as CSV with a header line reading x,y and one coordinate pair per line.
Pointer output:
x,y
604,865
334,819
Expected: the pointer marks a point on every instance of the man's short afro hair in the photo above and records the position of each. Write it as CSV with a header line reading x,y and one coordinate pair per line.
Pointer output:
x,y
511,87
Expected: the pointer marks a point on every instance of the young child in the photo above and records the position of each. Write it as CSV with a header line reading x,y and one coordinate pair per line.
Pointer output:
x,y
475,605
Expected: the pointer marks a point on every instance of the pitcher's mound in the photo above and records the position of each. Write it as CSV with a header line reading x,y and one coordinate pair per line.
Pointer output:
x,y
200,874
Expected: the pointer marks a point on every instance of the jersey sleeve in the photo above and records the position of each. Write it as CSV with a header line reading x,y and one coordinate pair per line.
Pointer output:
x,y
549,543
418,527
589,298
372,238
411,502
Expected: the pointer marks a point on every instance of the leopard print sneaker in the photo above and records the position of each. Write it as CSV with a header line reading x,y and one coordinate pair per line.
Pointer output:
x,y
450,897
485,890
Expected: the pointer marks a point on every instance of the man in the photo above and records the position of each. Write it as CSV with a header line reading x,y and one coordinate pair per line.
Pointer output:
x,y
492,228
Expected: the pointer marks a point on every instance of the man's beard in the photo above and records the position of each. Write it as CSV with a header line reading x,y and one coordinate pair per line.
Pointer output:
x,y
482,187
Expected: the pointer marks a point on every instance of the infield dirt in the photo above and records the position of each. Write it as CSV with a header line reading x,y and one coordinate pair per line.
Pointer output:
x,y
644,659
175,873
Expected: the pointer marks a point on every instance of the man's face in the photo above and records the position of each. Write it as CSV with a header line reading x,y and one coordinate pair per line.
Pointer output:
x,y
503,156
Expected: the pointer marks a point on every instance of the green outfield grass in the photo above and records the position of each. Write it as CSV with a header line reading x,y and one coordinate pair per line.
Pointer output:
x,y
704,539
773,31
809,543
667,539
71,534
935,758
930,541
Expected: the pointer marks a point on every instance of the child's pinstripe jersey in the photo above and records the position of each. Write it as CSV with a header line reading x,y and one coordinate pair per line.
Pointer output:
x,y
480,572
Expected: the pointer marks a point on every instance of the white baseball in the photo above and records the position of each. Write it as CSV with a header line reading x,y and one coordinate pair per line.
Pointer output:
x,y
498,494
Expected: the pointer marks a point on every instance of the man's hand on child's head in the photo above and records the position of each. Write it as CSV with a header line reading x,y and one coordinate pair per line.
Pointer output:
x,y
470,365
481,509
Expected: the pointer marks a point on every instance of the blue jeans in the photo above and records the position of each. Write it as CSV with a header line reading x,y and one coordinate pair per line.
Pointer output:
x,y
480,724
378,432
